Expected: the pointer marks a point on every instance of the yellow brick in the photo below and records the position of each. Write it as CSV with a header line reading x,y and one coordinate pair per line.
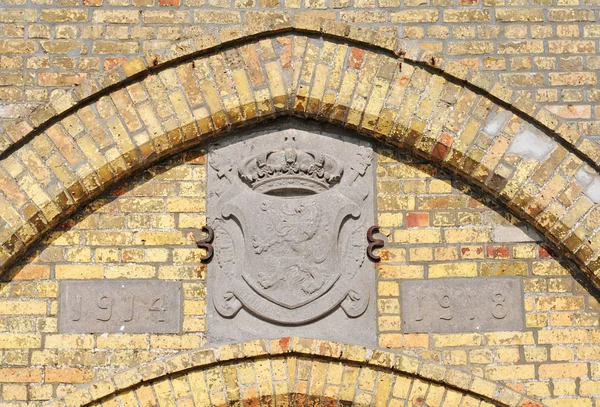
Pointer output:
x,y
496,269
420,254
21,375
68,238
560,303
452,270
387,289
588,352
481,356
23,307
417,236
560,353
14,392
466,235
390,219
449,340
401,387
160,238
69,341
388,323
131,271
549,268
122,341
509,338
20,341
563,336
512,372
507,355
181,272
174,342
525,251
589,387
562,370
191,255
568,402
414,16
395,203
191,220
47,289
564,388
68,375
191,324
194,307
455,357
79,255
106,255
64,271
440,186
157,255
390,271
106,238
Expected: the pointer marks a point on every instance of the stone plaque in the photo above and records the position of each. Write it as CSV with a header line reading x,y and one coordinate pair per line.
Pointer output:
x,y
119,306
290,210
449,305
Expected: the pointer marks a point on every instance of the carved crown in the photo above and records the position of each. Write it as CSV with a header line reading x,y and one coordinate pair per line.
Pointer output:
x,y
291,170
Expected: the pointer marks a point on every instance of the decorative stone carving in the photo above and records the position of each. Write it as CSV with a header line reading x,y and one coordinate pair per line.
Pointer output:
x,y
290,210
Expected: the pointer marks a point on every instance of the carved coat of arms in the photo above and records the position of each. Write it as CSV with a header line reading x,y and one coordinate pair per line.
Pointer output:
x,y
289,229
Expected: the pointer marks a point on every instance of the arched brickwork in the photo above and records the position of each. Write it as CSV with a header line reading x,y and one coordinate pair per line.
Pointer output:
x,y
69,151
290,372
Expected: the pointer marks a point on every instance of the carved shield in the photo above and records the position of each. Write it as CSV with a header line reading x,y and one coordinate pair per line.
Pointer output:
x,y
289,235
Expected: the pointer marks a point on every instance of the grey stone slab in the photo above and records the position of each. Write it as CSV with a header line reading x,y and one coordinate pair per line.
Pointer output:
x,y
511,234
101,306
452,305
290,207
495,124
590,183
531,143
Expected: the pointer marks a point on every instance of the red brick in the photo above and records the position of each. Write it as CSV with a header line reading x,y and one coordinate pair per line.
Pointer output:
x,y
442,147
497,252
357,56
546,252
414,219
110,63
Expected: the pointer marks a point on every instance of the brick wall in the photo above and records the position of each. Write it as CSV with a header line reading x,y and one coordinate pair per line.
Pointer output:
x,y
546,49
437,227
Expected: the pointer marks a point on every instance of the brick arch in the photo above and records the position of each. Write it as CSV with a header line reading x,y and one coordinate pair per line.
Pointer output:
x,y
69,151
290,371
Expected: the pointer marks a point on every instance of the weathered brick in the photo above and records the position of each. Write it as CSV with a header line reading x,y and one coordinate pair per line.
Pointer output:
x,y
68,375
19,341
63,15
165,17
452,270
116,16
414,16
64,271
514,372
13,307
216,17
451,340
518,14
570,15
16,15
466,16
17,47
20,375
557,336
